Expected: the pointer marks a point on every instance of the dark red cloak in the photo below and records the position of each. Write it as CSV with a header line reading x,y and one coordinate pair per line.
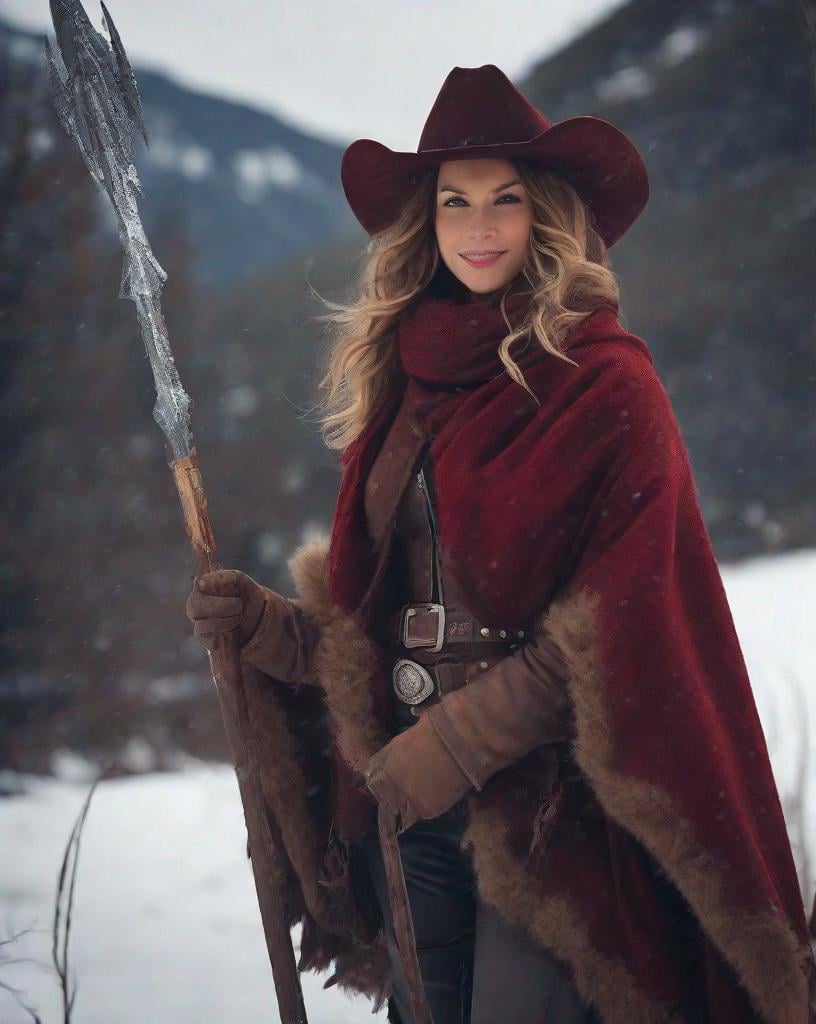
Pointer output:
x,y
584,512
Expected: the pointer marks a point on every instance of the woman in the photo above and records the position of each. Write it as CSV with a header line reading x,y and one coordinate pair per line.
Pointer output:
x,y
514,660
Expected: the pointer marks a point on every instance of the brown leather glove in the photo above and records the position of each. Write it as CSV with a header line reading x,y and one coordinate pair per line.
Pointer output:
x,y
457,744
520,703
273,632
222,601
415,776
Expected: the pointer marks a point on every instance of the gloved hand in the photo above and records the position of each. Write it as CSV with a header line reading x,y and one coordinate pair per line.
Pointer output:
x,y
222,601
414,775
462,740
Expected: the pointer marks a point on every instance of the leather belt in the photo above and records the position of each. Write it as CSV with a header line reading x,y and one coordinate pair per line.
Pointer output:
x,y
429,625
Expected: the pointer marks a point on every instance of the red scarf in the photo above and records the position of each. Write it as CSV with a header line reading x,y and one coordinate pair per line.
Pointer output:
x,y
589,499
444,341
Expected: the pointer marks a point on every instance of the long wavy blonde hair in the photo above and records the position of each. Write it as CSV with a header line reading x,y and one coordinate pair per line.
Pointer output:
x,y
566,273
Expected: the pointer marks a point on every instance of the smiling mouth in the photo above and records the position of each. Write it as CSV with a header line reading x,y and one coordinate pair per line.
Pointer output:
x,y
477,258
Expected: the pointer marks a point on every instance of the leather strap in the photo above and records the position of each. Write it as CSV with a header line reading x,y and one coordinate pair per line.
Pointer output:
x,y
450,675
401,913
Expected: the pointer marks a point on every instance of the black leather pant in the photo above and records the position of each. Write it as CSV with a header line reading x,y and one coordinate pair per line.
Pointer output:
x,y
476,968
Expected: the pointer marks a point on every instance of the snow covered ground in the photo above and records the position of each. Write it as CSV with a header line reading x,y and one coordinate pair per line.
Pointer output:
x,y
166,927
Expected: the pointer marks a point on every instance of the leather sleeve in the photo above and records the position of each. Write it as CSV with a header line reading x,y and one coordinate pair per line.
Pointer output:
x,y
518,704
283,644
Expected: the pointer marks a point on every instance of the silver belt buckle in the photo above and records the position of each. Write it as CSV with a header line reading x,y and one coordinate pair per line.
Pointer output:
x,y
413,683
410,611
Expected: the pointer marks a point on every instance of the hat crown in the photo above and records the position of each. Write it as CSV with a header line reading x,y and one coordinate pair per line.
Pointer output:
x,y
478,107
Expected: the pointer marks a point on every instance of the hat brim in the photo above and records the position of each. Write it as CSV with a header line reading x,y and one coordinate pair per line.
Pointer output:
x,y
597,159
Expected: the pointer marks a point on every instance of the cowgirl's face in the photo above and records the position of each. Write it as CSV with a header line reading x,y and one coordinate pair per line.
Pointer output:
x,y
482,208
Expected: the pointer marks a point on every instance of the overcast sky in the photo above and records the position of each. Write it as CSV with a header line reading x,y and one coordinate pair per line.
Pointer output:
x,y
342,69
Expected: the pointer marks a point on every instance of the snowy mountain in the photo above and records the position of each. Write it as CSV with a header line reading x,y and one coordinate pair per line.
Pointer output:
x,y
250,188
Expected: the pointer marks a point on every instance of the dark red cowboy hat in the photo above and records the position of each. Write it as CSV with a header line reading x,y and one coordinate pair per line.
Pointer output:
x,y
480,113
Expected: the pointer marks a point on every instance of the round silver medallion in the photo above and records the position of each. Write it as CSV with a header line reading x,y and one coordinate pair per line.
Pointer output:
x,y
413,683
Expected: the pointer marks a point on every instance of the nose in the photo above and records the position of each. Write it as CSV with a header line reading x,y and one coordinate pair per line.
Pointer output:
x,y
480,227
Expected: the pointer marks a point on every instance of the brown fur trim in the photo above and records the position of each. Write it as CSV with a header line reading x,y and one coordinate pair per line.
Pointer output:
x,y
764,950
369,974
345,659
330,933
284,787
505,884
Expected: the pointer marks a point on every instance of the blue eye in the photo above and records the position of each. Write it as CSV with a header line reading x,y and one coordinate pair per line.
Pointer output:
x,y
504,195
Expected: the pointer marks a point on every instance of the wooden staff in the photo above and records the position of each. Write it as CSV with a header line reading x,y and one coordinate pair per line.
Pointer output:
x,y
98,104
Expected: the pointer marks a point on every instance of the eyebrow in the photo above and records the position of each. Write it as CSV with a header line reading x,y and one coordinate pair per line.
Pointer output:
x,y
498,188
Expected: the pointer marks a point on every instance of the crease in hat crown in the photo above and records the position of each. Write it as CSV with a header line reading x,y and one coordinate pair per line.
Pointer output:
x,y
479,112
485,87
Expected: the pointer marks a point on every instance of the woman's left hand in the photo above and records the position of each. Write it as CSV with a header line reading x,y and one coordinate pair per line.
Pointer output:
x,y
415,776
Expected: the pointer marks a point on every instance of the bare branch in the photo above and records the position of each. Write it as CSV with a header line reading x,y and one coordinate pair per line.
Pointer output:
x,y
59,948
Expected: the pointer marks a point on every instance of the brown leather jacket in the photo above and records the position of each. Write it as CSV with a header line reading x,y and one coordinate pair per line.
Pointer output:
x,y
503,717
